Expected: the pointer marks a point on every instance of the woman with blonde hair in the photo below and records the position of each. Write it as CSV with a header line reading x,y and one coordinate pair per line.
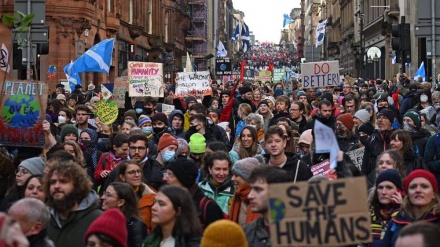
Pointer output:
x,y
243,111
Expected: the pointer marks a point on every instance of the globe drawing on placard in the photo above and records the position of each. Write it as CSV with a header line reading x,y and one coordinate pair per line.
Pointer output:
x,y
248,73
21,111
277,210
321,37
222,66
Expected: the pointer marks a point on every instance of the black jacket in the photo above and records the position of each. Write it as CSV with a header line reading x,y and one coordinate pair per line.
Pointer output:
x,y
419,139
213,210
256,234
153,173
274,120
40,240
413,162
301,124
304,172
330,122
137,231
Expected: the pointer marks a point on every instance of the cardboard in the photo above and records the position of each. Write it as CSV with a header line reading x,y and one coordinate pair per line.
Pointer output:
x,y
23,105
356,156
324,169
119,89
167,109
145,79
320,74
193,84
107,111
329,213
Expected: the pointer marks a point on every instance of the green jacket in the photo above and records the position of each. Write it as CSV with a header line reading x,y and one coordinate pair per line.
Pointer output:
x,y
153,240
222,195
70,232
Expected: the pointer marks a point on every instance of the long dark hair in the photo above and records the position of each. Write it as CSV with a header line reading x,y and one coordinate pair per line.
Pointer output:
x,y
126,192
404,137
187,223
252,151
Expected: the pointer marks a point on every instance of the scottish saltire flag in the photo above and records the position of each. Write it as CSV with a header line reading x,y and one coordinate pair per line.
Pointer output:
x,y
97,59
221,51
287,20
320,33
245,37
421,72
72,76
394,60
236,34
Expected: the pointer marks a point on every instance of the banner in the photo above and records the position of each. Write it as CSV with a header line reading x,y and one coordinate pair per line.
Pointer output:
x,y
223,66
249,73
320,33
193,83
265,76
356,156
145,79
328,213
107,111
278,74
23,104
106,90
320,74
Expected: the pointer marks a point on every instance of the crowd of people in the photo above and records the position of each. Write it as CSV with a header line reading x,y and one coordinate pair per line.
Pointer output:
x,y
199,175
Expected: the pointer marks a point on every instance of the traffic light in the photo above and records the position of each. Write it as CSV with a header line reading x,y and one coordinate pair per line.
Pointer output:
x,y
401,41
396,41
406,39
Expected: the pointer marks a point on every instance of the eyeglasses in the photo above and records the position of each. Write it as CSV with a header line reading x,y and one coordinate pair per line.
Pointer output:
x,y
169,175
106,194
21,171
134,172
132,148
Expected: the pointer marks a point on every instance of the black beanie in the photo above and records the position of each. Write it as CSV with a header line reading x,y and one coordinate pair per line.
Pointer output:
x,y
245,89
390,175
227,92
185,171
367,128
263,102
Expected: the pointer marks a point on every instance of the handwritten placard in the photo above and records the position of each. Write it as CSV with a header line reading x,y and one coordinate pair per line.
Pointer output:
x,y
193,83
328,213
279,74
167,109
320,74
22,104
145,79
356,156
107,111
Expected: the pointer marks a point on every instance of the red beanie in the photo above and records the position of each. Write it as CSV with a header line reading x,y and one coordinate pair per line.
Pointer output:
x,y
165,141
347,120
420,174
111,223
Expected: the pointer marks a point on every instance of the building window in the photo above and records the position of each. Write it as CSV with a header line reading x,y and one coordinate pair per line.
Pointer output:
x,y
122,57
110,6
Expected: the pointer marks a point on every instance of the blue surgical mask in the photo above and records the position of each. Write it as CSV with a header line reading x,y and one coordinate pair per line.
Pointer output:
x,y
129,121
139,110
147,130
168,156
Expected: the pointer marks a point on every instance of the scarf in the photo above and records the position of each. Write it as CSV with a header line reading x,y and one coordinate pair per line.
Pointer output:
x,y
239,196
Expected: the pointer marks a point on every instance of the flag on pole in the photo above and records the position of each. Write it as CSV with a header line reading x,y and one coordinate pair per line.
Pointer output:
x,y
188,63
394,60
287,20
221,51
421,72
320,33
106,93
245,37
236,34
4,62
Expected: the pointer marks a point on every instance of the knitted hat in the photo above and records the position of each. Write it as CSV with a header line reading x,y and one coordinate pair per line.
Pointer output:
x,y
91,87
363,115
420,174
165,141
347,120
130,113
390,175
301,93
111,223
160,116
263,102
244,167
68,129
381,97
143,119
367,129
272,99
189,99
387,113
227,92
245,89
328,97
197,143
34,165
61,97
185,170
415,117
306,137
224,233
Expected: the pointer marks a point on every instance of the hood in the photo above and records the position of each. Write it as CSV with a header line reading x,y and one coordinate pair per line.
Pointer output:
x,y
174,113
421,133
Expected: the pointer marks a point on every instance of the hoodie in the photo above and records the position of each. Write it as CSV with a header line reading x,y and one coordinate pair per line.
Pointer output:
x,y
178,133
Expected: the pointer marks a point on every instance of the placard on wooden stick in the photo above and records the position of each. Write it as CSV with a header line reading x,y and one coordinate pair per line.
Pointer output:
x,y
329,213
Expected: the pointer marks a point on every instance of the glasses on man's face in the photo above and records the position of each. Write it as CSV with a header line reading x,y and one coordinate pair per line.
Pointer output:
x,y
134,172
133,148
169,175
21,171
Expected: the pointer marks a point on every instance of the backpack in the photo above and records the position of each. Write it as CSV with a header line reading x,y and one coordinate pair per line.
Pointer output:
x,y
203,207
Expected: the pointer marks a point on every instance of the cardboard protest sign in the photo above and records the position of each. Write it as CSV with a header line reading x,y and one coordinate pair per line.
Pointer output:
x,y
265,76
193,83
320,74
288,86
279,74
329,213
249,73
119,89
324,169
107,111
23,105
356,156
145,79
167,109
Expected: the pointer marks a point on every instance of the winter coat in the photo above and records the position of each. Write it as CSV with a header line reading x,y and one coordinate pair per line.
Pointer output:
x,y
178,133
137,231
330,122
401,220
153,173
256,234
110,164
238,128
419,140
413,162
407,103
346,144
40,240
222,195
213,211
379,221
301,124
145,204
304,172
70,232
154,239
234,153
432,155
274,120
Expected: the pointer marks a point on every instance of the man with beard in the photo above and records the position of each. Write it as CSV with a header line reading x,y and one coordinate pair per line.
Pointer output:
x,y
324,114
82,119
347,140
73,204
247,97
378,142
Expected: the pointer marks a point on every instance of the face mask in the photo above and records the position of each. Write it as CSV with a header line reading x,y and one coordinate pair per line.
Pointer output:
x,y
61,119
408,127
86,143
363,139
148,111
103,136
147,130
423,98
158,130
168,156
253,126
380,109
129,121
139,110
193,129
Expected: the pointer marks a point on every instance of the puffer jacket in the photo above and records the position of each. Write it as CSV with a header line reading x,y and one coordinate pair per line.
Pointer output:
x,y
222,195
233,154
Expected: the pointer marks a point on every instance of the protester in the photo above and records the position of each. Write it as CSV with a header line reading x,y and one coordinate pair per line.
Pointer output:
x,y
224,233
34,188
401,142
246,145
419,234
107,230
390,159
10,233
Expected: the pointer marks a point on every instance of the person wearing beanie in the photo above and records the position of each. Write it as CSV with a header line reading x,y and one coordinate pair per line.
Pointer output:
x,y
224,233
112,225
419,135
271,101
197,144
130,116
190,101
69,133
166,149
347,140
247,97
361,117
160,127
146,125
265,111
302,96
421,203
241,170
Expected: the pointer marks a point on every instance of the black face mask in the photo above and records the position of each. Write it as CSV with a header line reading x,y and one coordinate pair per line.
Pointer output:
x,y
380,108
158,130
86,143
363,139
193,129
148,111
103,136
